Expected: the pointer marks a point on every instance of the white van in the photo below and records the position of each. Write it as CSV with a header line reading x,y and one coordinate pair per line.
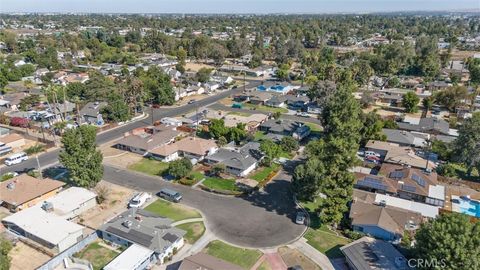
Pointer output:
x,y
16,158
139,199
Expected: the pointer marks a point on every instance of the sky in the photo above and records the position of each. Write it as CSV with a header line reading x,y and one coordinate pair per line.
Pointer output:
x,y
235,6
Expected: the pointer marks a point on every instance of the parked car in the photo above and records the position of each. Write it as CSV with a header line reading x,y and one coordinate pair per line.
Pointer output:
x,y
16,158
170,195
192,101
139,199
371,153
302,114
300,219
4,149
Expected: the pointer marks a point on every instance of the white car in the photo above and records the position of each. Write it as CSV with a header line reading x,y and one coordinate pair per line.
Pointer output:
x,y
139,199
303,114
371,153
16,159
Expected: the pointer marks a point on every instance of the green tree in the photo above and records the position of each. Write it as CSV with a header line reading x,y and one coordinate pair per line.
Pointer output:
x,y
179,168
410,102
5,247
372,127
427,103
218,129
467,145
238,133
222,141
289,144
81,157
116,110
452,97
451,239
203,75
442,149
270,149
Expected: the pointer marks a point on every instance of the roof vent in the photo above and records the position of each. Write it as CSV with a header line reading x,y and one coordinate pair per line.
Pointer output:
x,y
11,185
47,206
127,223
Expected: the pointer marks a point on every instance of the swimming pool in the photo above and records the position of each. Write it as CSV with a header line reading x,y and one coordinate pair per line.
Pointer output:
x,y
469,207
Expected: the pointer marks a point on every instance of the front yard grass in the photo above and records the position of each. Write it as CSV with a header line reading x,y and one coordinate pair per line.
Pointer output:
x,y
194,231
220,184
149,166
265,108
170,210
326,241
261,174
244,258
97,255
259,135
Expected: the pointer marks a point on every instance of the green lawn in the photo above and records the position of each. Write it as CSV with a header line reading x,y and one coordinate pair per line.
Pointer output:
x,y
170,210
194,231
197,176
265,108
244,258
97,255
149,166
314,127
220,184
326,241
261,174
259,135
461,172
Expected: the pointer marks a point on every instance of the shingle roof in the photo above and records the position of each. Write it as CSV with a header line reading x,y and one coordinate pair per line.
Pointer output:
x,y
24,188
149,142
206,262
197,146
427,125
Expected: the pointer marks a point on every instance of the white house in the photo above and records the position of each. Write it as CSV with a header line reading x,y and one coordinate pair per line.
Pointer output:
x,y
134,257
71,202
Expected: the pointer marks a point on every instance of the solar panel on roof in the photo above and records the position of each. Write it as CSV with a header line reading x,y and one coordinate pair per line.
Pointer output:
x,y
419,180
397,174
409,188
372,183
132,236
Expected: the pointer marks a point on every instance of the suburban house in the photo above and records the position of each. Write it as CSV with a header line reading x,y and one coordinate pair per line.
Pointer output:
x,y
368,253
143,140
252,122
90,113
259,98
146,229
135,257
403,182
70,203
297,102
193,148
383,221
396,154
394,100
45,228
276,101
431,125
23,191
239,162
297,130
283,88
204,261
405,138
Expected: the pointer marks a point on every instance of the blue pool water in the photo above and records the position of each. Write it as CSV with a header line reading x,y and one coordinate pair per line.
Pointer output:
x,y
470,207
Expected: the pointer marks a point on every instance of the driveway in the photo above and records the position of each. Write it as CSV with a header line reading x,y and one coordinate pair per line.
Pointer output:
x,y
261,220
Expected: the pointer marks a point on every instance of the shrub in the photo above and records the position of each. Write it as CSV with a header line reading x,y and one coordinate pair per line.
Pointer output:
x,y
34,149
19,122
447,170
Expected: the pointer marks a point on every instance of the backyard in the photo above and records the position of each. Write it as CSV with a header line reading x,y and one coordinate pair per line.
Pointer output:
x,y
194,231
244,258
97,255
173,211
220,184
264,108
149,166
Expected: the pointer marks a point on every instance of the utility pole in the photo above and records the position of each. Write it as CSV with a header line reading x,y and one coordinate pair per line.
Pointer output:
x,y
151,109
244,80
38,165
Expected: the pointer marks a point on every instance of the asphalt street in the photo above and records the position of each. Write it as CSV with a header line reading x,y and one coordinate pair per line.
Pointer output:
x,y
261,220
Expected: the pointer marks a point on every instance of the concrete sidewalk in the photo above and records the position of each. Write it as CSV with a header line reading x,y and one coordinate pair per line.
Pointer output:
x,y
319,258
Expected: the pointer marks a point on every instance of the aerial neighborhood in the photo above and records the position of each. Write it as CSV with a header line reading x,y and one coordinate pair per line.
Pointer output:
x,y
263,142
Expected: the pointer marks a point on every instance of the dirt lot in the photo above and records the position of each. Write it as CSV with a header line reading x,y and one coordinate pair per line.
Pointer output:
x,y
117,157
196,66
115,204
24,257
293,257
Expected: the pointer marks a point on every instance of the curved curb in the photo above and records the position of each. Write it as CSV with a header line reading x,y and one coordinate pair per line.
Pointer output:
x,y
188,220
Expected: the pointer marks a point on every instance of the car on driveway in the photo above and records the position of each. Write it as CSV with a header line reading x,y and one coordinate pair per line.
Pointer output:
x,y
300,219
302,114
139,199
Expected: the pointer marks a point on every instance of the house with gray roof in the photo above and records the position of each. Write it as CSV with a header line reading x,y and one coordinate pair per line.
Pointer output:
x,y
90,112
239,162
431,125
144,228
368,253
297,130
404,138
144,140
